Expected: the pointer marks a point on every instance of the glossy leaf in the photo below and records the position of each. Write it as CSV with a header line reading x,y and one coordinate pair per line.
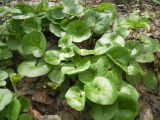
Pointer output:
x,y
72,7
76,98
33,68
34,43
98,21
25,104
32,24
78,30
145,58
56,75
126,108
3,75
126,88
78,66
14,109
150,81
103,112
5,98
82,52
56,12
101,91
87,76
56,30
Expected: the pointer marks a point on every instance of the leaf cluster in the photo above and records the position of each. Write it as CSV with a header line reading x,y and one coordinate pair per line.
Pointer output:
x,y
103,72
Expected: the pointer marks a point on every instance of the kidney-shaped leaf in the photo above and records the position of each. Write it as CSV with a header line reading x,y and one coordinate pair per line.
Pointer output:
x,y
56,75
56,30
103,112
126,88
150,81
126,108
33,69
76,98
82,52
32,24
72,7
99,21
78,66
34,43
14,109
53,57
78,30
87,76
5,98
3,75
56,13
101,91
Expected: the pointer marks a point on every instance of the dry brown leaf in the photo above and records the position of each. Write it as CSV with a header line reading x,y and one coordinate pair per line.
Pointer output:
x,y
42,97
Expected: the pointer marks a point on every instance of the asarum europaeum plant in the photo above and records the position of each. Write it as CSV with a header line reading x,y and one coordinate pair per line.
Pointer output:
x,y
92,47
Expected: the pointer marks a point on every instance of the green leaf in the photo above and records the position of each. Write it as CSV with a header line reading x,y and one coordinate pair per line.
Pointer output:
x,y
2,83
134,68
41,7
149,44
78,30
5,98
76,98
110,39
32,24
98,21
14,109
126,108
3,75
107,41
107,7
145,58
157,1
14,41
56,12
23,17
87,76
82,52
65,41
134,80
56,30
25,8
53,57
118,52
126,88
14,77
135,21
72,7
33,68
101,91
25,104
103,112
5,53
79,65
34,43
150,81
56,75
24,117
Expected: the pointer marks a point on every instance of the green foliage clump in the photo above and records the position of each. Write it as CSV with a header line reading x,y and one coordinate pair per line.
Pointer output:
x,y
92,48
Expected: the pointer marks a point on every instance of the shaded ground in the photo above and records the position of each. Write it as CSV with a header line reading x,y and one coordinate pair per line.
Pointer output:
x,y
49,104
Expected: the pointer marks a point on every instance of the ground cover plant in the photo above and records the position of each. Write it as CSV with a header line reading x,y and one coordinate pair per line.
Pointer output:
x,y
89,47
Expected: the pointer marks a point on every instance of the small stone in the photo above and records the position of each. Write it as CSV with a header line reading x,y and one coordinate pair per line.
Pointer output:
x,y
50,117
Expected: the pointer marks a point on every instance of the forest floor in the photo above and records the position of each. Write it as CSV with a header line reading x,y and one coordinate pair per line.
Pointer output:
x,y
47,104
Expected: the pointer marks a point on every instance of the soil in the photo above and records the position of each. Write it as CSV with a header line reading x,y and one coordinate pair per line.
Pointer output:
x,y
48,104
